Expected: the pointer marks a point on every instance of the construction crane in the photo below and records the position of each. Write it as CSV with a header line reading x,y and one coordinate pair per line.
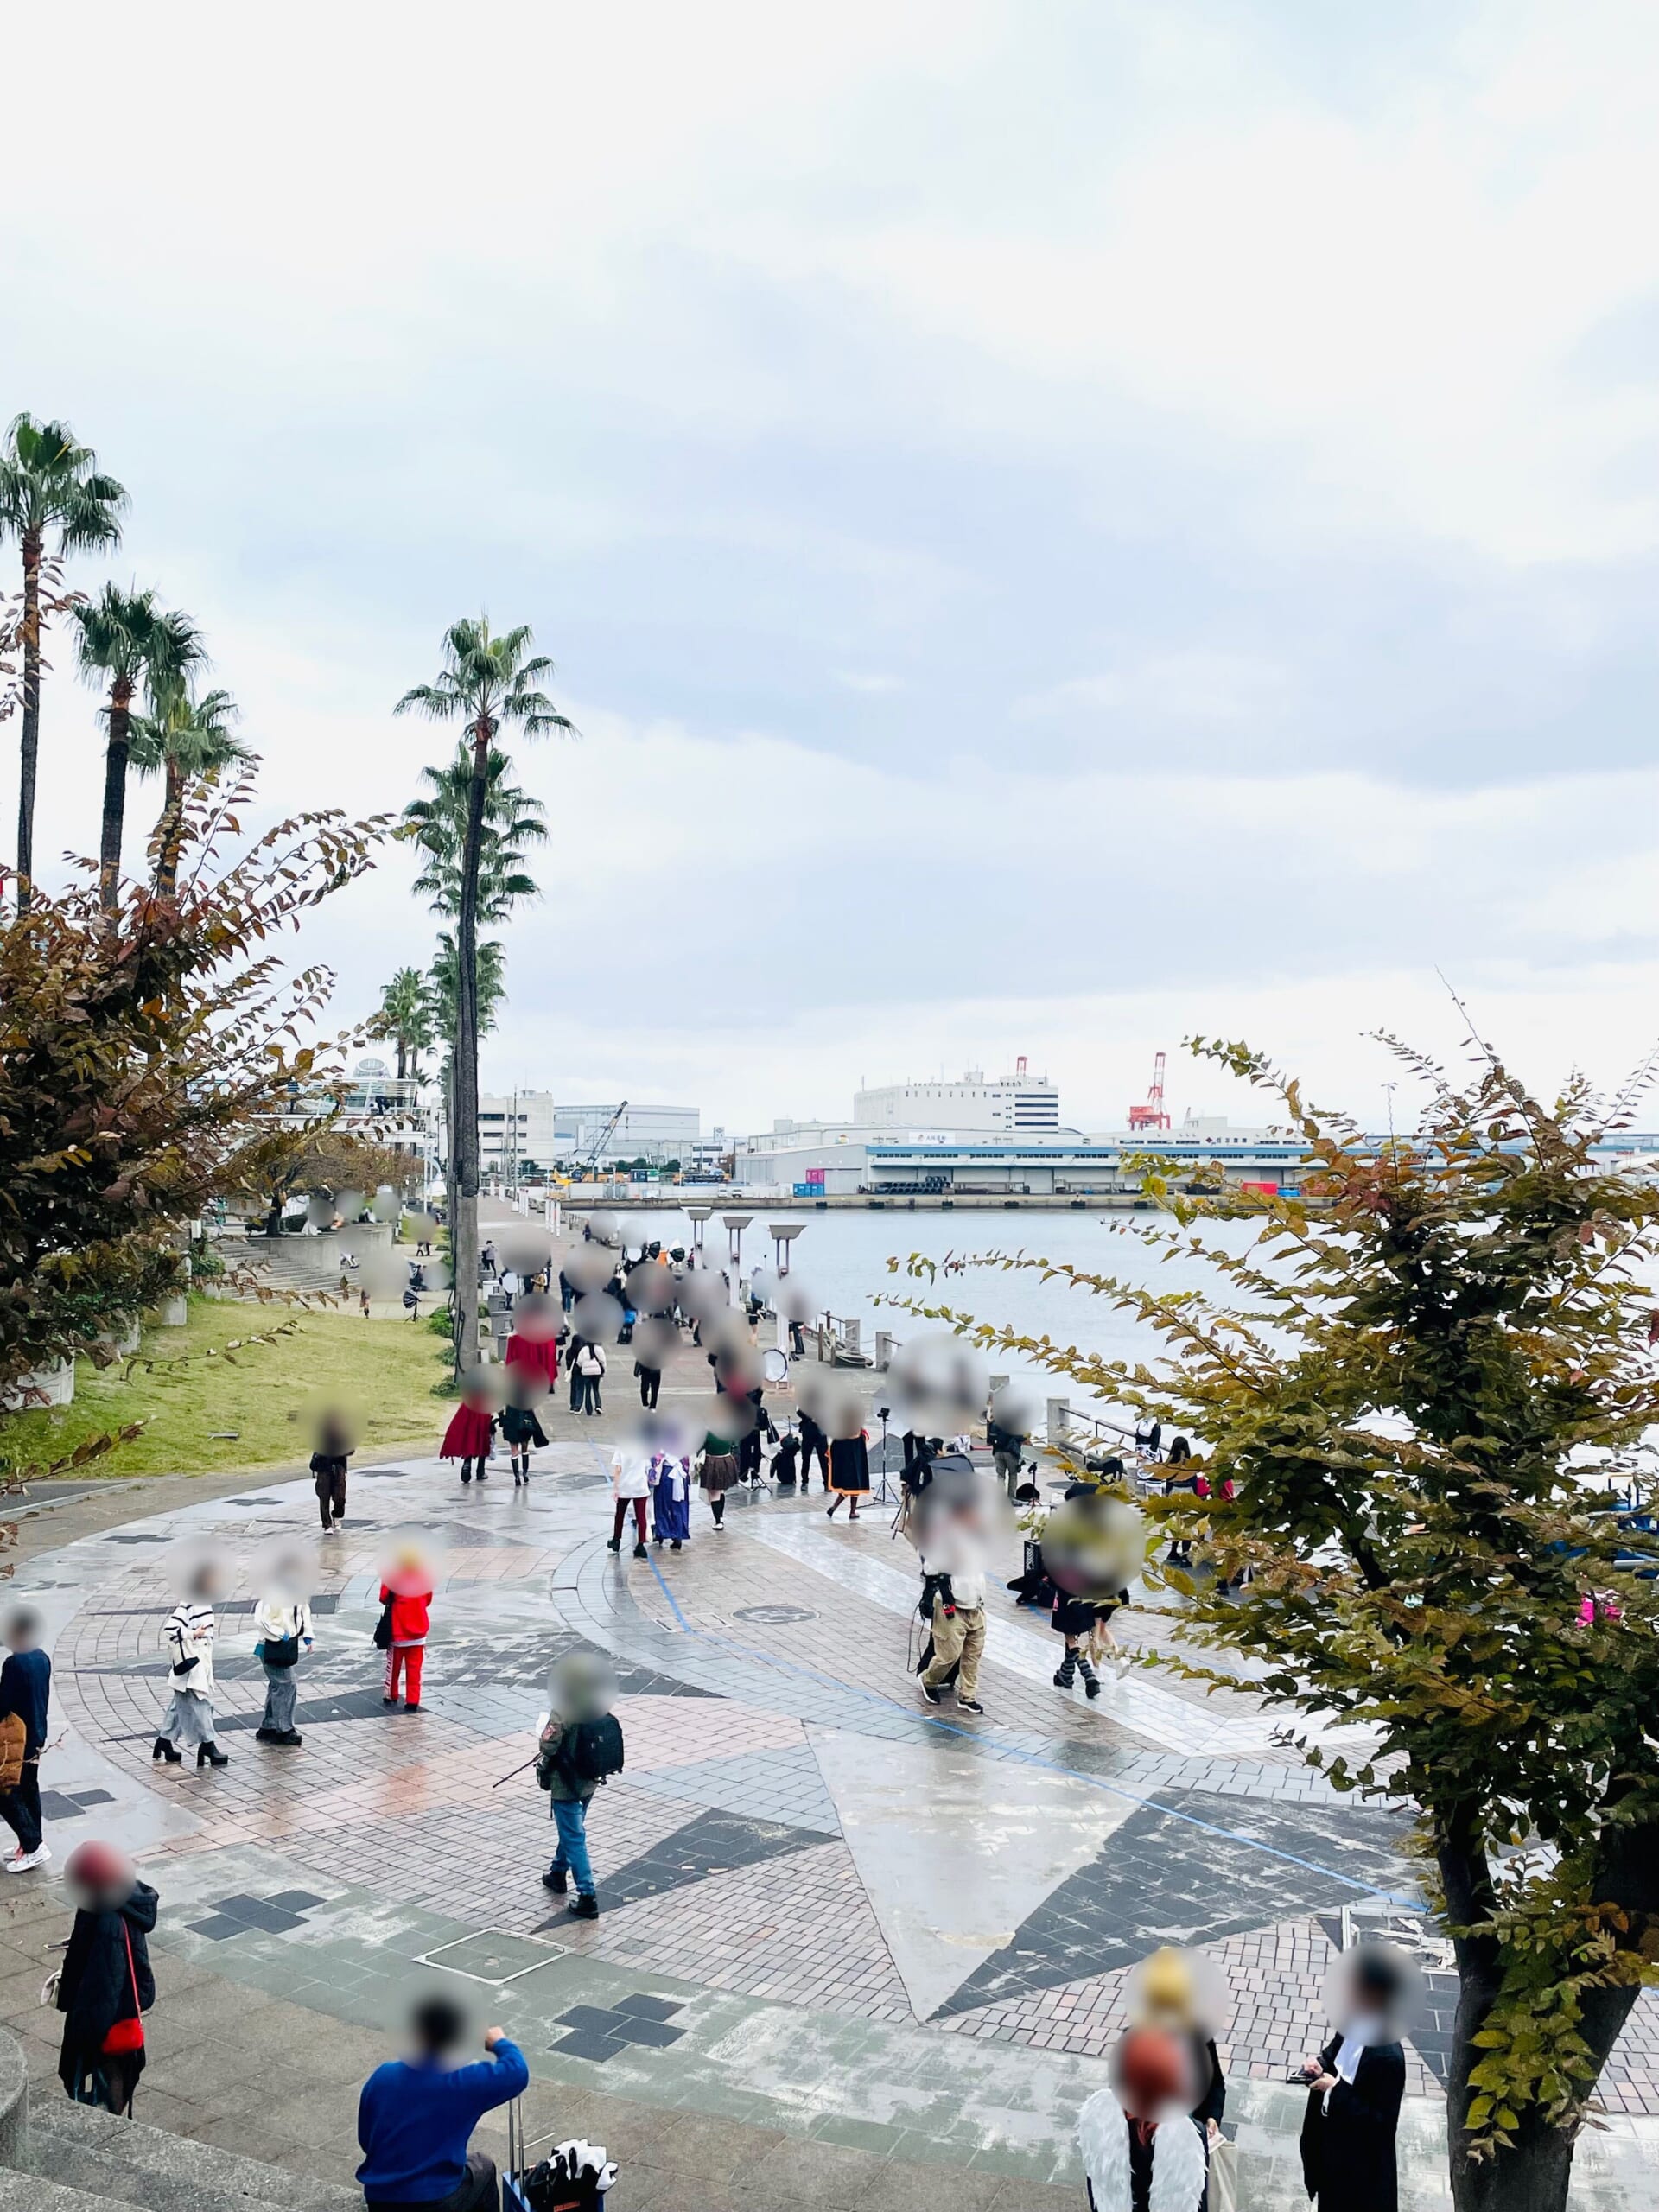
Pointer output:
x,y
1152,1114
590,1161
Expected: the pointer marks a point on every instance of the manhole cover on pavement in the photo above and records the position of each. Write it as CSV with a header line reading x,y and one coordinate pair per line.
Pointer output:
x,y
774,1615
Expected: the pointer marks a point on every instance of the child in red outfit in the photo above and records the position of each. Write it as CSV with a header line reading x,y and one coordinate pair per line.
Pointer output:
x,y
408,1595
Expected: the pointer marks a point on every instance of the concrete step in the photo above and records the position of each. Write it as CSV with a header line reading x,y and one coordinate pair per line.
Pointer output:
x,y
33,2193
114,2161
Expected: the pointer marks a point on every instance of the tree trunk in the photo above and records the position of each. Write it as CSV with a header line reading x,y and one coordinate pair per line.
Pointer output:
x,y
30,750
115,794
170,831
463,1135
402,1057
1535,2175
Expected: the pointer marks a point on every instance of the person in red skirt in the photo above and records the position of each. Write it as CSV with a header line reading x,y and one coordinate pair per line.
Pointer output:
x,y
467,1437
408,1590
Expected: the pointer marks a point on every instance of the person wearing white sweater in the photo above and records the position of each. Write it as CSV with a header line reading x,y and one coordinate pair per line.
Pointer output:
x,y
189,1637
281,1626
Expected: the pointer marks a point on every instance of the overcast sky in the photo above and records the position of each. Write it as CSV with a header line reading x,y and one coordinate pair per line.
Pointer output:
x,y
1060,526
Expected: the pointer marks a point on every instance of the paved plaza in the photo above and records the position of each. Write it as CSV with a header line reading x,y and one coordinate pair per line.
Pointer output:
x,y
845,1941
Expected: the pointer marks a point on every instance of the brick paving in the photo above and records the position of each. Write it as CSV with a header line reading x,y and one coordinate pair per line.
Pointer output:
x,y
327,1881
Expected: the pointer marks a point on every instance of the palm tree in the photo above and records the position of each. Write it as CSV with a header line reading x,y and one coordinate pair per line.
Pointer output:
x,y
512,819
491,967
486,682
48,483
183,740
406,1016
126,638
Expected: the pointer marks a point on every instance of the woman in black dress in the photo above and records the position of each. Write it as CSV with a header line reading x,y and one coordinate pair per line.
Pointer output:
x,y
1354,2086
105,1984
849,1471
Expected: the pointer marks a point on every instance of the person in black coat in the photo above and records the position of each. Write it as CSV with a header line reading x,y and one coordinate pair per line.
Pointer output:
x,y
1354,2086
105,1985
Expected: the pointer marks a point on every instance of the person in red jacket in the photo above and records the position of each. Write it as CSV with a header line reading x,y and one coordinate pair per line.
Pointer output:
x,y
408,1590
534,1341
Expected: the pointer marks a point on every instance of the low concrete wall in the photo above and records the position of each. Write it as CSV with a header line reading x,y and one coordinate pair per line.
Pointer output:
x,y
14,2102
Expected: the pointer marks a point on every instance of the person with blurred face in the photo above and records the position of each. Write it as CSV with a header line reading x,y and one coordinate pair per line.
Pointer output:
x,y
409,1593
328,1464
282,1625
580,1747
189,1639
815,1445
590,1373
849,1472
669,1477
415,2117
717,1472
959,1618
471,1428
105,1985
1167,1998
1142,2150
630,1488
1354,2086
25,1695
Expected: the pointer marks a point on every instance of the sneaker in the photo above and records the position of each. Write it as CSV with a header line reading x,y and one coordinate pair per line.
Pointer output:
x,y
22,1860
969,1705
585,1907
555,1879
928,1691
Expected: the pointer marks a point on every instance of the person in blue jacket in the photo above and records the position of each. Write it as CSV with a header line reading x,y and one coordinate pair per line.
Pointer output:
x,y
26,1690
415,2117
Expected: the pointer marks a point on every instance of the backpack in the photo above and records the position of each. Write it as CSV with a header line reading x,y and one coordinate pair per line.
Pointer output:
x,y
594,1749
14,1742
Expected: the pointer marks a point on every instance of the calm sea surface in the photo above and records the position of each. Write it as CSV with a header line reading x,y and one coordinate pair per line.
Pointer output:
x,y
842,1258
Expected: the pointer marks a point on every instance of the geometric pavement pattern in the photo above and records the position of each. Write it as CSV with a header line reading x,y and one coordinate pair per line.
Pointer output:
x,y
720,1850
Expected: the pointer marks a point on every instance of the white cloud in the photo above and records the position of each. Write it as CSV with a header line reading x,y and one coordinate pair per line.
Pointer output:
x,y
875,686
1203,685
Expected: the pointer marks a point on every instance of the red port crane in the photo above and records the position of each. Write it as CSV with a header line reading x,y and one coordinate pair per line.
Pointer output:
x,y
1152,1115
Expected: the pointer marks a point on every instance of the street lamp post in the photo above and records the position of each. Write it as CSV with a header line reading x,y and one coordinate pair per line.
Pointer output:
x,y
696,1216
735,1224
783,1235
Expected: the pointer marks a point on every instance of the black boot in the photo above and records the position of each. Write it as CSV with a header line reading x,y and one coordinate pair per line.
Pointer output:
x,y
639,1552
614,1545
1090,1679
584,1908
555,1879
1068,1668
164,1750
210,1755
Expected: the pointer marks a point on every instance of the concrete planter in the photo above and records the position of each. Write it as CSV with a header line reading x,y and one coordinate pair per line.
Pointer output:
x,y
55,1383
123,1339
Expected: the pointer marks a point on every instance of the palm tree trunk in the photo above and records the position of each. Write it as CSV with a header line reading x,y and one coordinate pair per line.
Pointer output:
x,y
115,793
402,1057
30,752
169,832
463,1134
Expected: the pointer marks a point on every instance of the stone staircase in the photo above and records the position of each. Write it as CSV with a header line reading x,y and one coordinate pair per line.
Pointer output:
x,y
85,2161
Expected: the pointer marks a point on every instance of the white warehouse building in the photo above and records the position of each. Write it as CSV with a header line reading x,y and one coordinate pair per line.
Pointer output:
x,y
1005,1106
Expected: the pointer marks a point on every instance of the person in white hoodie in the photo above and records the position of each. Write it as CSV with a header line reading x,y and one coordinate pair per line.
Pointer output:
x,y
281,1627
189,1637
953,1558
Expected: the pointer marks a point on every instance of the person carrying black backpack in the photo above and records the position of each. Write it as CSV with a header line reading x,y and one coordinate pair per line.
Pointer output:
x,y
580,1748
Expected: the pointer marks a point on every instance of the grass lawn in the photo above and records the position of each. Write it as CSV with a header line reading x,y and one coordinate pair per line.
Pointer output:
x,y
269,1395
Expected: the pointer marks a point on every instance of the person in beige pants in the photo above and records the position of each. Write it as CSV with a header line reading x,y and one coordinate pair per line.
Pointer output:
x,y
958,1639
